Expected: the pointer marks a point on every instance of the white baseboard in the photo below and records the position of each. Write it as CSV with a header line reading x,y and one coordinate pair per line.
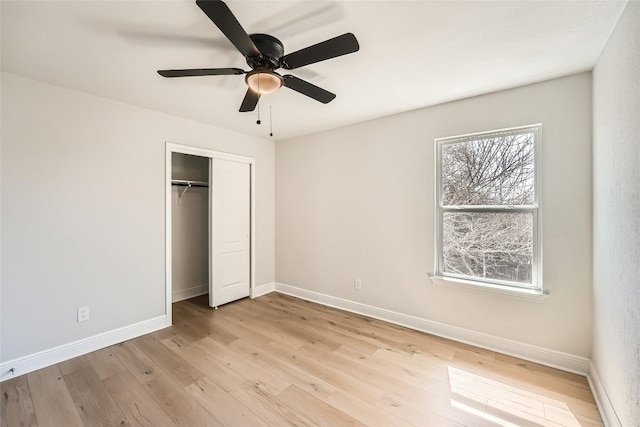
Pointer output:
x,y
544,356
258,291
194,291
608,413
23,365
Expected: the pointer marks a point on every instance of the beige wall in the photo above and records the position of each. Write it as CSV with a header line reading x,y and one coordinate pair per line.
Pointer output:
x,y
616,221
83,202
357,202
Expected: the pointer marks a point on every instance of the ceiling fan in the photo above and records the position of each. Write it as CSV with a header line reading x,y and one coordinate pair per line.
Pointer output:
x,y
265,54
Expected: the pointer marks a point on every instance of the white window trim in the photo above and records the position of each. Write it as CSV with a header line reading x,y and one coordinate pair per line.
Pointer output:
x,y
518,290
488,288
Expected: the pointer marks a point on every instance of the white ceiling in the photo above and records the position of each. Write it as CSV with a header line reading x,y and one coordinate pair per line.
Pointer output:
x,y
412,53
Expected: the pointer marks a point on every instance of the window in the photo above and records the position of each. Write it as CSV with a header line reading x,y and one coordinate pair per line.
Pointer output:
x,y
487,198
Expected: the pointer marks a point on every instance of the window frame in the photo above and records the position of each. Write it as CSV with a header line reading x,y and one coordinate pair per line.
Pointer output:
x,y
534,209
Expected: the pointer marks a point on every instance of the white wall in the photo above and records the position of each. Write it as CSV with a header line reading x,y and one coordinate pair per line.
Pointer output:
x,y
189,228
83,203
616,218
358,202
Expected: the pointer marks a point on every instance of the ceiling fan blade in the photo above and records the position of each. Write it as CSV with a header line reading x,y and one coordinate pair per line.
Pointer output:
x,y
224,19
201,72
250,101
337,46
306,88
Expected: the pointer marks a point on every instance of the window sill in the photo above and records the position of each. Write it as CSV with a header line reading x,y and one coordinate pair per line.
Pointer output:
x,y
487,288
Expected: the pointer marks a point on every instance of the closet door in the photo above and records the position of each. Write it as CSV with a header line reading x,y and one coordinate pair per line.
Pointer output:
x,y
230,198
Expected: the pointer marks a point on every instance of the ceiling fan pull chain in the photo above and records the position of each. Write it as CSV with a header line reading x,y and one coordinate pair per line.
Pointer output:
x,y
258,121
270,122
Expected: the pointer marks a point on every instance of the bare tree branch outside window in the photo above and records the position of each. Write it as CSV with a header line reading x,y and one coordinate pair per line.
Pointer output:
x,y
483,182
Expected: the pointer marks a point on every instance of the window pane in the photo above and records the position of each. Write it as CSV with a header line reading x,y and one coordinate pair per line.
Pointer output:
x,y
492,171
489,245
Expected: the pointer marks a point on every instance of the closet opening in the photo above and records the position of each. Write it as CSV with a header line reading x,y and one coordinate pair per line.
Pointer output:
x,y
209,226
189,226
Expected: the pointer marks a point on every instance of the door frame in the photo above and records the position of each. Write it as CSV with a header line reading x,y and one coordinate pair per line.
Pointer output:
x,y
211,154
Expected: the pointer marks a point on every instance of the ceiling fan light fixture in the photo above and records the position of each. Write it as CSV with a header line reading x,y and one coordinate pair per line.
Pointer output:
x,y
264,82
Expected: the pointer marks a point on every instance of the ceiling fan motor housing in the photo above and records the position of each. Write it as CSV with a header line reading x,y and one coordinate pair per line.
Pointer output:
x,y
271,49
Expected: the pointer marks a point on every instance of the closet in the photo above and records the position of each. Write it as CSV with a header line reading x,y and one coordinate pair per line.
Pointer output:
x,y
189,225
211,217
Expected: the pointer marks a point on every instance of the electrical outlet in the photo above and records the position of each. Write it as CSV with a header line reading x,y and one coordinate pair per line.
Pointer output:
x,y
357,284
83,314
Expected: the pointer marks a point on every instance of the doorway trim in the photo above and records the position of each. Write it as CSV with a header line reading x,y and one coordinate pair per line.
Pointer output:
x,y
212,154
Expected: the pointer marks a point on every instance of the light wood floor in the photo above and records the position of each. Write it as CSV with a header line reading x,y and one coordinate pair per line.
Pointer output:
x,y
278,361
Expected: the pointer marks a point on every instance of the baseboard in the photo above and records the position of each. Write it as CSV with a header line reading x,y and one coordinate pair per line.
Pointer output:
x,y
544,356
608,413
194,291
23,365
258,291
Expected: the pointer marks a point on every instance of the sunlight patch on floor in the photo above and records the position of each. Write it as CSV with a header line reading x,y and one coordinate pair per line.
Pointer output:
x,y
506,405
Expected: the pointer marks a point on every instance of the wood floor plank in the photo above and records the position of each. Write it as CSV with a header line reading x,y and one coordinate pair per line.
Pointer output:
x,y
281,366
197,328
164,333
105,363
265,328
51,399
278,360
337,337
517,416
396,392
136,362
190,328
505,372
241,331
176,367
270,408
364,412
429,384
460,411
73,365
205,363
94,403
377,331
178,404
400,398
560,415
315,408
225,355
351,325
194,306
224,406
257,309
184,309
568,377
16,407
299,330
134,401
335,377
424,367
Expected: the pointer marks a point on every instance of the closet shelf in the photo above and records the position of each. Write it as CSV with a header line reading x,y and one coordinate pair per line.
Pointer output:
x,y
186,183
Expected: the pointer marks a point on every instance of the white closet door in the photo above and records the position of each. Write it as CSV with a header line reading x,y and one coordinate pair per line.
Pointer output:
x,y
230,198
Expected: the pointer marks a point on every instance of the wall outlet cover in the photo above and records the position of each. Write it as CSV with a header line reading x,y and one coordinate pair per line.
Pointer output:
x,y
83,314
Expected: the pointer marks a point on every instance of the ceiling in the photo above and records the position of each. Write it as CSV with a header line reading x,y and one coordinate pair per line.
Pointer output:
x,y
412,53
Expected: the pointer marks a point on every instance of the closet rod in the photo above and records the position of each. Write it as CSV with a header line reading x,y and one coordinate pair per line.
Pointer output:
x,y
186,183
